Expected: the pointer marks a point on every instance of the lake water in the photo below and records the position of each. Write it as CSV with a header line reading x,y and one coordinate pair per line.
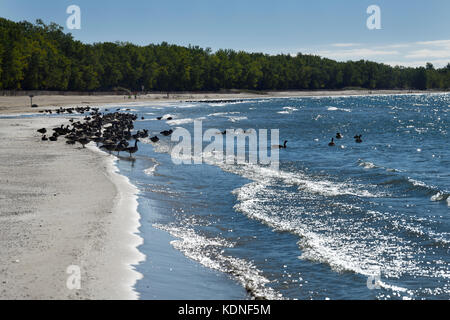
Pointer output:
x,y
324,225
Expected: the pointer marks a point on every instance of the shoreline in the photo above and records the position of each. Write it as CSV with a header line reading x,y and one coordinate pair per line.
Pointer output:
x,y
63,206
10,105
126,208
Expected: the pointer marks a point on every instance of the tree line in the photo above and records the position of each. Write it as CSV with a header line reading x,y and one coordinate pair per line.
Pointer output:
x,y
43,57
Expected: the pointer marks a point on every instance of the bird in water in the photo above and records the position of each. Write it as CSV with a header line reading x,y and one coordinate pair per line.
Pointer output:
x,y
339,135
358,139
154,139
133,149
284,146
166,132
331,144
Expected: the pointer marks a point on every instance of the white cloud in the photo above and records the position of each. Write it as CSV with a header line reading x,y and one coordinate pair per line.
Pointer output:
x,y
428,53
344,45
408,54
439,43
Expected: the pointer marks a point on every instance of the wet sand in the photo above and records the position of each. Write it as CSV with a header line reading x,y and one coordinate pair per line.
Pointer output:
x,y
60,206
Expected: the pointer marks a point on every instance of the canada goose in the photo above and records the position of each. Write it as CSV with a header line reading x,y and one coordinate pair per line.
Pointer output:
x,y
332,144
44,138
84,141
134,149
154,139
43,131
166,132
159,118
358,138
339,135
284,146
53,138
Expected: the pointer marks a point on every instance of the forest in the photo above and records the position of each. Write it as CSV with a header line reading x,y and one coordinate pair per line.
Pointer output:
x,y
42,57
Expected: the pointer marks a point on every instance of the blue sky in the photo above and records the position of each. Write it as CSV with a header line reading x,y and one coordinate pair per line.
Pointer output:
x,y
413,32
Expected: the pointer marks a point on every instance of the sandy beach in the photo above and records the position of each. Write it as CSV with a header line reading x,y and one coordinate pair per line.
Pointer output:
x,y
62,206
21,104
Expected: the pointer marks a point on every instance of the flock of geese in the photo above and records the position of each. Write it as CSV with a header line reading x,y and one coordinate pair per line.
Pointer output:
x,y
340,136
112,131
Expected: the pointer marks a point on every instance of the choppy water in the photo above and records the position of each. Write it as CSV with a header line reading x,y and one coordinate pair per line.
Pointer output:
x,y
328,219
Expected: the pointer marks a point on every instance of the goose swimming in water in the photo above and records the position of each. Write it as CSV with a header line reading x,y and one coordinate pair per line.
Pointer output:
x,y
154,139
339,135
331,144
166,132
358,139
284,146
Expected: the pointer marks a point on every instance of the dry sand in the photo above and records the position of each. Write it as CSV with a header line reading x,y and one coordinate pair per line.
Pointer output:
x,y
62,205
21,104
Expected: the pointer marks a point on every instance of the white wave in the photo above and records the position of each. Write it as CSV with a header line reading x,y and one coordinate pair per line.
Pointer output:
x,y
222,114
288,110
302,181
177,122
440,196
236,119
151,170
344,244
338,109
368,165
209,253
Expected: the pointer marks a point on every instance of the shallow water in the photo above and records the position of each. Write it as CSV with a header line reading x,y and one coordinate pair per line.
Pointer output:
x,y
317,228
